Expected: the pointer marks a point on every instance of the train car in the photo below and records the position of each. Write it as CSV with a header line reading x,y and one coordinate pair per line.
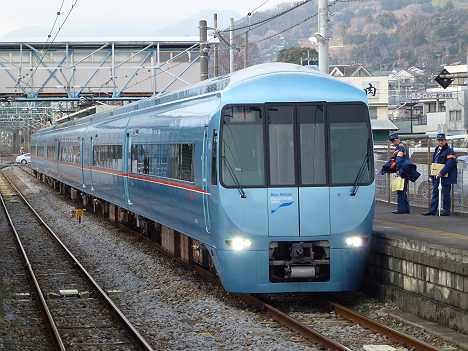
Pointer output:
x,y
269,168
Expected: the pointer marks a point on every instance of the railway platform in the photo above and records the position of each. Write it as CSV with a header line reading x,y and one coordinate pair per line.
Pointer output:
x,y
450,232
421,263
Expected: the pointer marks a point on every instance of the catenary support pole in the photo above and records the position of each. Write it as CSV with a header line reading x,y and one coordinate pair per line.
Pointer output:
x,y
246,51
203,50
215,49
323,35
231,46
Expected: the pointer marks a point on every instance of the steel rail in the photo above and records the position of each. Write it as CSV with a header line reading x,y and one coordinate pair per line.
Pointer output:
x,y
368,323
281,317
293,324
302,329
51,320
124,319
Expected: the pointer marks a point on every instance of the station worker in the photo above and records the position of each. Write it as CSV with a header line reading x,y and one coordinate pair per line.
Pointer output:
x,y
443,154
400,157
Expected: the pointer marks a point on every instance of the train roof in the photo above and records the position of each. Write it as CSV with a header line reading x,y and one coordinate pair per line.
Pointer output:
x,y
221,85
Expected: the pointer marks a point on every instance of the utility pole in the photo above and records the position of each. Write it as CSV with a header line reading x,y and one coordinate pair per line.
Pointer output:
x,y
246,52
215,49
322,35
203,50
231,45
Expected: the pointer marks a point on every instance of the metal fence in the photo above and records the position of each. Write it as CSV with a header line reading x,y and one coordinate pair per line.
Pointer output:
x,y
421,150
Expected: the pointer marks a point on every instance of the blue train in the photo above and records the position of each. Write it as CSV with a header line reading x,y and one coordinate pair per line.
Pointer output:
x,y
270,169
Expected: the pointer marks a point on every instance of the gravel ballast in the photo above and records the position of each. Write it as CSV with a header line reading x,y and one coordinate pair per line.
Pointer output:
x,y
175,308
172,307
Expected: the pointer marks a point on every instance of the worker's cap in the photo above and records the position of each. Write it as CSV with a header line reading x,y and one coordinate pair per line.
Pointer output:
x,y
441,136
393,135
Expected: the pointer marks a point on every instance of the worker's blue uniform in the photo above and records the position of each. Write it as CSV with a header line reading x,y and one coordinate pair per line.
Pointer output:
x,y
445,155
401,157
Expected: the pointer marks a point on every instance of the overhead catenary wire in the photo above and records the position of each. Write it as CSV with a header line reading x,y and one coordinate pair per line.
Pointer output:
x,y
59,12
41,59
287,29
266,20
258,7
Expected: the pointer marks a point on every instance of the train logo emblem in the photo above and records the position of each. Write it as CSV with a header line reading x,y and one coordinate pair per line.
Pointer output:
x,y
279,200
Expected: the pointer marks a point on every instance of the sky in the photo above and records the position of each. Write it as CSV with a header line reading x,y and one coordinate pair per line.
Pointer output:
x,y
34,18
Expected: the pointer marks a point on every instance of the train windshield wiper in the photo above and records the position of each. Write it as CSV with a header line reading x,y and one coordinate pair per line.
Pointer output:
x,y
234,177
364,164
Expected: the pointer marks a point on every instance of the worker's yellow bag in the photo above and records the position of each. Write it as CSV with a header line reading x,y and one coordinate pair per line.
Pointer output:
x,y
436,168
397,183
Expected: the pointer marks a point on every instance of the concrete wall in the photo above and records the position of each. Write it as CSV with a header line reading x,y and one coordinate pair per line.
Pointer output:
x,y
425,279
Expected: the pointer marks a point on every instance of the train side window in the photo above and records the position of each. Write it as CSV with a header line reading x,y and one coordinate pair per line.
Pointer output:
x,y
40,151
107,156
69,152
163,160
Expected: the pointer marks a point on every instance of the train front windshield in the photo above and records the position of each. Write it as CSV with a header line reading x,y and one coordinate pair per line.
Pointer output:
x,y
281,145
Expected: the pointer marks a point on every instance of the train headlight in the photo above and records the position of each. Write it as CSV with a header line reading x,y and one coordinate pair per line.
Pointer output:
x,y
238,244
354,241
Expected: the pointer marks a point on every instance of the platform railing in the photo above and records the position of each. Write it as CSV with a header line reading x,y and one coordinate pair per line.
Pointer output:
x,y
421,150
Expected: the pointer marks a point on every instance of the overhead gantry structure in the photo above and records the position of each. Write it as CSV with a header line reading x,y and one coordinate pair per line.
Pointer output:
x,y
41,81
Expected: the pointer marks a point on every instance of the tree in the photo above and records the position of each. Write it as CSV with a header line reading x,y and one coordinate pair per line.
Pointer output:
x,y
294,55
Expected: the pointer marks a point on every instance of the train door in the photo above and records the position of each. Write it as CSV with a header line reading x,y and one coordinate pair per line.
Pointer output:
x,y
56,158
298,194
205,183
283,192
91,163
83,182
127,159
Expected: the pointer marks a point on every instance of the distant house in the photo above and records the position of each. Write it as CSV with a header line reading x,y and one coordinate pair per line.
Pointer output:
x,y
339,71
458,69
360,77
402,76
404,82
415,71
381,128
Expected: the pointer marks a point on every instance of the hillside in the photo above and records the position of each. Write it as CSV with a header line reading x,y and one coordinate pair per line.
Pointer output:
x,y
382,34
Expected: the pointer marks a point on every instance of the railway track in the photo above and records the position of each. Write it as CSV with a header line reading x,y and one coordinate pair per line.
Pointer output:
x,y
345,319
302,325
347,316
80,314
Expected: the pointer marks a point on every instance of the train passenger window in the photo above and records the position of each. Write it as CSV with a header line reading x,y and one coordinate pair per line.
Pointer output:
x,y
107,156
242,147
70,152
41,151
52,152
350,141
281,145
312,144
163,160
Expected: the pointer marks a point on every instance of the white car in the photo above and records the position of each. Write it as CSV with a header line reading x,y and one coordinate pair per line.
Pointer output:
x,y
24,159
